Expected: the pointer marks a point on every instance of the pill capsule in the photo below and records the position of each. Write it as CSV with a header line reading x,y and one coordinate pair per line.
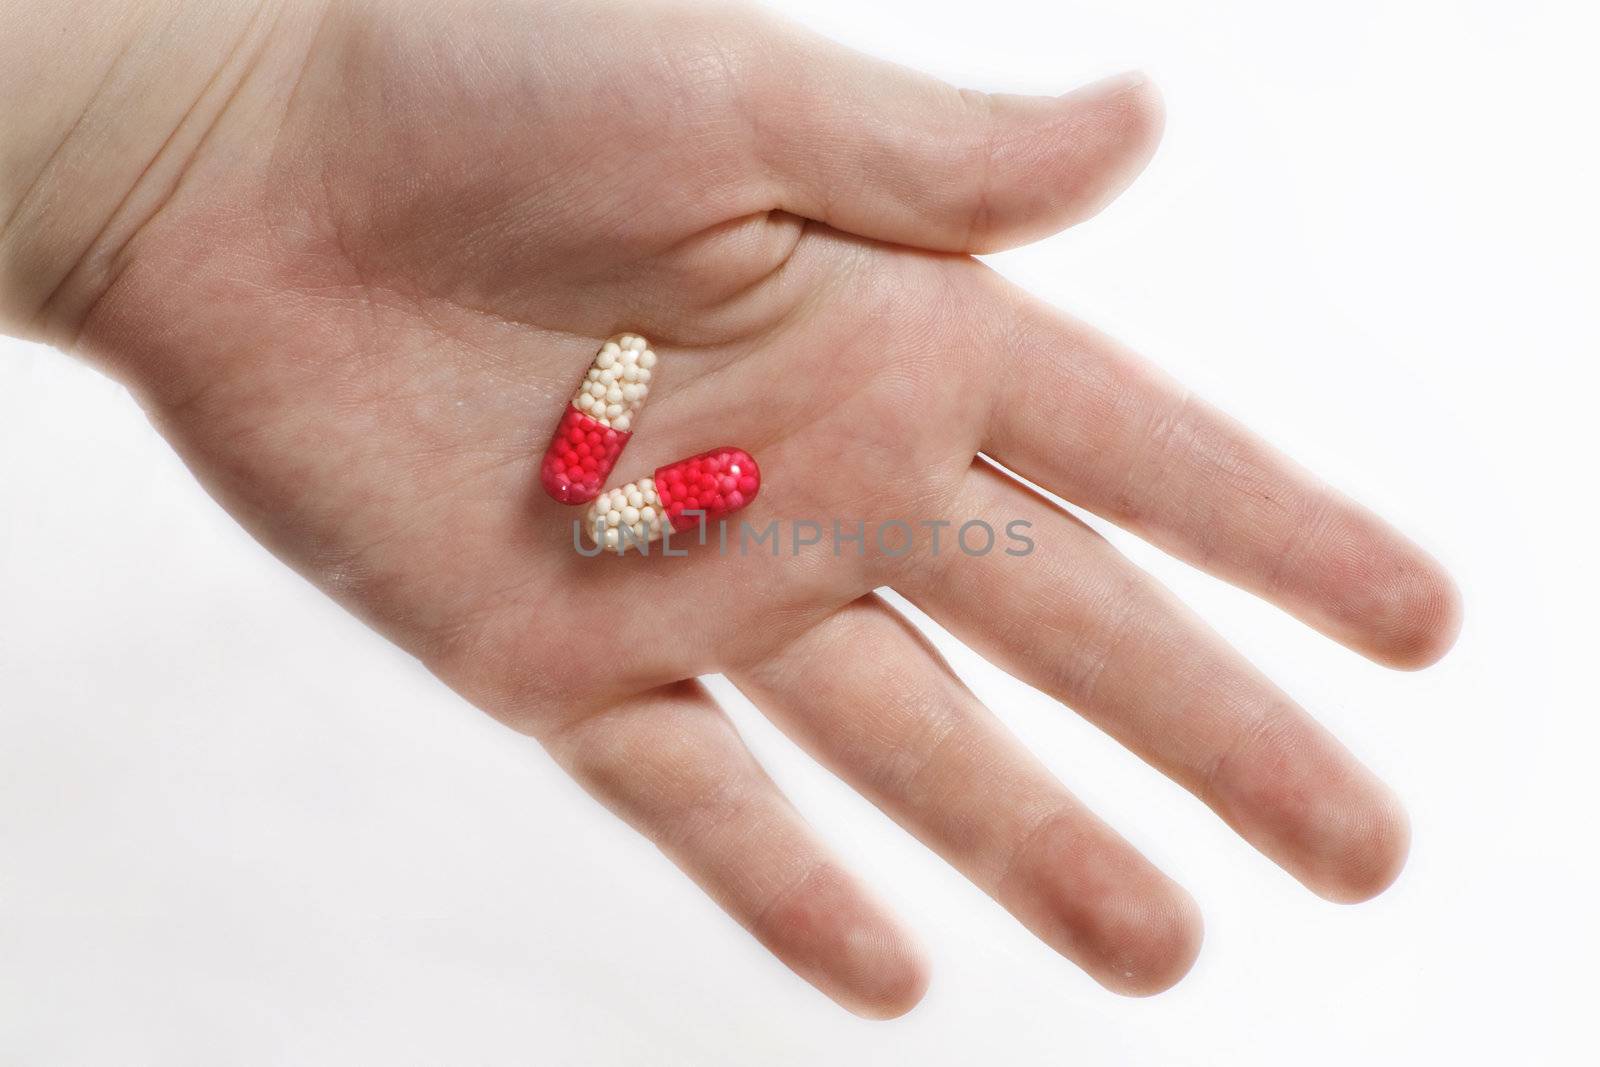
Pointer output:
x,y
717,483
597,423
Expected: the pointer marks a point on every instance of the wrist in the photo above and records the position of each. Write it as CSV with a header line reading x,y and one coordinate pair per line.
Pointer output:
x,y
108,103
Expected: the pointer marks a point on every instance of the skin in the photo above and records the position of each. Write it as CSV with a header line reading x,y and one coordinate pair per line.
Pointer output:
x,y
353,259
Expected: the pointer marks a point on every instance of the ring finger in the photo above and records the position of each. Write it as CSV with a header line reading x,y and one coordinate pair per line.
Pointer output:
x,y
1077,620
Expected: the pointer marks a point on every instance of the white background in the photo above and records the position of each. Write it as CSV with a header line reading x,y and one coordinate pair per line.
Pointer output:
x,y
237,828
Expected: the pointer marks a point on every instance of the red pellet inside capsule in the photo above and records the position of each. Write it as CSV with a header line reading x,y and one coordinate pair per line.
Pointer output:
x,y
580,457
717,483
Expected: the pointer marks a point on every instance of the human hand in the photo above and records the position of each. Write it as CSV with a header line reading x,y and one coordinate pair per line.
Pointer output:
x,y
361,277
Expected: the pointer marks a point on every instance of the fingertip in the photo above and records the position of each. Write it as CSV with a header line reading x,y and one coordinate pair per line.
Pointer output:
x,y
895,983
1405,618
1421,620
1146,111
835,936
1301,798
1132,105
1151,943
1117,124
1371,855
1376,591
1059,161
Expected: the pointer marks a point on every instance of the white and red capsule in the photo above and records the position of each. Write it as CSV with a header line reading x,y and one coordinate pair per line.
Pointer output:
x,y
677,497
598,422
592,433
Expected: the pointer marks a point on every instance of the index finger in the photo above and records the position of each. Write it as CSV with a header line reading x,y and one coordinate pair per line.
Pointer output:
x,y
1111,432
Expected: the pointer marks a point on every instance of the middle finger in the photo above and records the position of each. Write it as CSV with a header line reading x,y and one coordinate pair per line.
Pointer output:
x,y
1076,619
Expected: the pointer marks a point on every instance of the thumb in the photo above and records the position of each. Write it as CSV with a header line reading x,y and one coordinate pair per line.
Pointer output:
x,y
884,152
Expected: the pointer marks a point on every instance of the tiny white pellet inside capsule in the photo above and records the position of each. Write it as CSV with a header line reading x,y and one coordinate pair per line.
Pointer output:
x,y
617,382
626,517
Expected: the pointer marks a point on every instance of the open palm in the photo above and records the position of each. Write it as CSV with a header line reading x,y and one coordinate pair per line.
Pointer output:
x,y
363,307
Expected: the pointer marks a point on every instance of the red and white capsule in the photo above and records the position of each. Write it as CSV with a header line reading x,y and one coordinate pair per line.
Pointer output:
x,y
676,498
598,422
